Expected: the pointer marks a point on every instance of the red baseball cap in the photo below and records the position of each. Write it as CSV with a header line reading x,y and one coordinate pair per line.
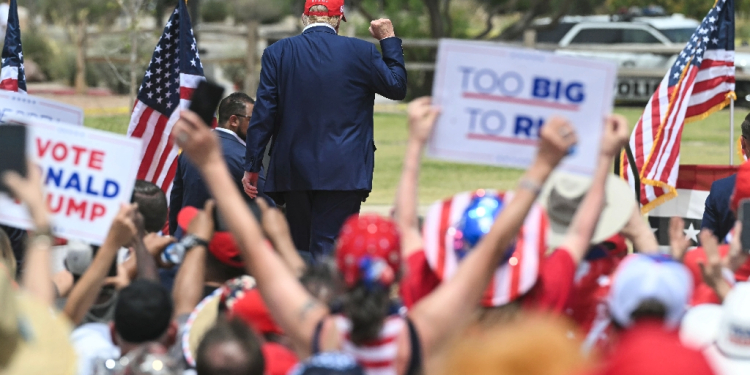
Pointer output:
x,y
741,186
222,245
335,8
253,311
369,249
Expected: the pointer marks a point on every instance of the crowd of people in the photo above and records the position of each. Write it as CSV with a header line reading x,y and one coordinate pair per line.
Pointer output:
x,y
538,280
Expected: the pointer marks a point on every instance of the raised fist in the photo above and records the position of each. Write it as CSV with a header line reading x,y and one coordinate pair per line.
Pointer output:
x,y
381,29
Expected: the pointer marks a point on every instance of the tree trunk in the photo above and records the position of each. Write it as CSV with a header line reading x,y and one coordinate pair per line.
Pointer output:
x,y
251,79
81,36
436,18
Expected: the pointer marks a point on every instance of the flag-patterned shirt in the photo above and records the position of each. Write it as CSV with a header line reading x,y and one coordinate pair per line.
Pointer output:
x,y
172,76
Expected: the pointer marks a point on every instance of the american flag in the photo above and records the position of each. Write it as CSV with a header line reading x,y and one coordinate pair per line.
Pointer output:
x,y
13,76
700,82
168,85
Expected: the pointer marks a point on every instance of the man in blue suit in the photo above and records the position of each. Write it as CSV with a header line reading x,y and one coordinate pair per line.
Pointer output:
x,y
235,112
316,97
717,216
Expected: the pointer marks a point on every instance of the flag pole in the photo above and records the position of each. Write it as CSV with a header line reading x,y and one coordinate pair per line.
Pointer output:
x,y
731,130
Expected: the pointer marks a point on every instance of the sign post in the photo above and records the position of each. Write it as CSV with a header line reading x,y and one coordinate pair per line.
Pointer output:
x,y
494,100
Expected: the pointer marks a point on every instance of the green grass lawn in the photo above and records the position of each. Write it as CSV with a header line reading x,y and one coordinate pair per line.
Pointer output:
x,y
704,142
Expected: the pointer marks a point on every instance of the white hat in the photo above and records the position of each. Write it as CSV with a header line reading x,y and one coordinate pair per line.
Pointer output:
x,y
734,332
643,277
564,192
700,326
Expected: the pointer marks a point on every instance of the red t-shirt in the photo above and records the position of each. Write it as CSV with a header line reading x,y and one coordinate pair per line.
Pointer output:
x,y
703,293
648,348
551,292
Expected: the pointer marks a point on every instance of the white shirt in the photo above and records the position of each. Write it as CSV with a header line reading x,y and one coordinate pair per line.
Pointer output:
x,y
93,342
232,133
318,24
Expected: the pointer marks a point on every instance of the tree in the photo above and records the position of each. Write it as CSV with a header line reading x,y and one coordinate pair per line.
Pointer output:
x,y
75,16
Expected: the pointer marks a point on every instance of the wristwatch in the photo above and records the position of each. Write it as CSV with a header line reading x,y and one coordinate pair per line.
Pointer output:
x,y
190,241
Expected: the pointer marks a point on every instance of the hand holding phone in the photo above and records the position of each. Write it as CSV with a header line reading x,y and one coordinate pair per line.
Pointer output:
x,y
12,151
205,100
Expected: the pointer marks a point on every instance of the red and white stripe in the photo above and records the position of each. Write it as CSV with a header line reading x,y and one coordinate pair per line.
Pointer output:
x,y
159,155
655,140
513,278
9,79
379,356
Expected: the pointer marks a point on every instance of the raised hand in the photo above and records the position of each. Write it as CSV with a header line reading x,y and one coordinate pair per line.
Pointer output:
x,y
711,268
196,140
29,191
422,116
123,229
202,225
381,29
250,184
616,134
556,138
678,241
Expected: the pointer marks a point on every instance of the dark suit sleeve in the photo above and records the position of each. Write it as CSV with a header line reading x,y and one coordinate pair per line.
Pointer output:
x,y
175,198
264,114
710,213
389,70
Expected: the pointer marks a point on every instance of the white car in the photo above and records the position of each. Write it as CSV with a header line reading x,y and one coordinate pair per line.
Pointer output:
x,y
674,30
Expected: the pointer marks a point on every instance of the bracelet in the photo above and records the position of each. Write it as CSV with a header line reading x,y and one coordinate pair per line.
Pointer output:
x,y
529,185
41,239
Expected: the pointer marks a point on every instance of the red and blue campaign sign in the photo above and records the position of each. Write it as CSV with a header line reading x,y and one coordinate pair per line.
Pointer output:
x,y
86,173
494,100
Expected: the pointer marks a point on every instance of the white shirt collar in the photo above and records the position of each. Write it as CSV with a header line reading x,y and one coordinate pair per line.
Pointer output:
x,y
318,24
232,133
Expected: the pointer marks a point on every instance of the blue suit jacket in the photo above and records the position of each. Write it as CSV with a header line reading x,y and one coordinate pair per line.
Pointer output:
x,y
717,215
316,97
189,190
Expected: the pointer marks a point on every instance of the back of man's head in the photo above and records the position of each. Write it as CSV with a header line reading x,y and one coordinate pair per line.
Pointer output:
x,y
333,21
143,312
233,104
230,348
746,127
152,204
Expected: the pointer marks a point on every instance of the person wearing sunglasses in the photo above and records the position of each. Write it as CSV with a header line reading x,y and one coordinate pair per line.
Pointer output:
x,y
189,190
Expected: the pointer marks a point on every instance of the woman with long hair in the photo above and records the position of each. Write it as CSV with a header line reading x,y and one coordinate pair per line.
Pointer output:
x,y
368,258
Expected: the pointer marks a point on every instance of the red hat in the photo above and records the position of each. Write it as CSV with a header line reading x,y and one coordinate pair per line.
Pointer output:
x,y
335,8
741,186
253,311
369,249
222,245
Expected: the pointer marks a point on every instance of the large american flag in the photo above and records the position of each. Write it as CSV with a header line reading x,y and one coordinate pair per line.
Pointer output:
x,y
12,75
168,86
700,82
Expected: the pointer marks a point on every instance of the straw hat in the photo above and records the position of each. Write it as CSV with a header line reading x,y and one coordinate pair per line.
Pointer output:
x,y
33,338
564,192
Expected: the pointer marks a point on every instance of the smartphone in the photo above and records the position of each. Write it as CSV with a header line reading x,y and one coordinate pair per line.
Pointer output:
x,y
743,215
205,100
12,150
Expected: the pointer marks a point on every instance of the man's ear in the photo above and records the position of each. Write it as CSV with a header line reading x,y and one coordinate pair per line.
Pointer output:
x,y
113,333
171,337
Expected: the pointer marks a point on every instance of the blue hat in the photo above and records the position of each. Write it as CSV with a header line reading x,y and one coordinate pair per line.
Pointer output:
x,y
476,222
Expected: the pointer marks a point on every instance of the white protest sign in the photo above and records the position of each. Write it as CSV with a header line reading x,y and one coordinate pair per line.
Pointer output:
x,y
15,104
87,174
494,100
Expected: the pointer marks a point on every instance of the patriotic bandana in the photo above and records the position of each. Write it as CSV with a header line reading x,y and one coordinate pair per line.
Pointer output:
x,y
455,225
369,251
